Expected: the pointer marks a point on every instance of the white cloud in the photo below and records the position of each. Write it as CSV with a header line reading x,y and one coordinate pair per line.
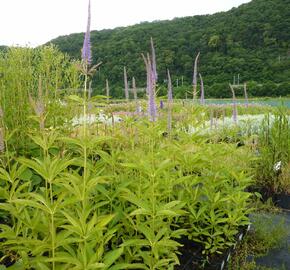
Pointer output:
x,y
34,22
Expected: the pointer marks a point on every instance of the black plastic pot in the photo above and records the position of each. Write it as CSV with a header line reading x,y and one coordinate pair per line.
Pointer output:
x,y
282,200
191,257
195,263
221,264
190,254
277,258
265,192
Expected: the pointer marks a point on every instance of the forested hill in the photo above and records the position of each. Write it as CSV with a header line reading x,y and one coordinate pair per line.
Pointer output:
x,y
252,40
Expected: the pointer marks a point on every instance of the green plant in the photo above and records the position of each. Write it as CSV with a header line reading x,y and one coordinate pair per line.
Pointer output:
x,y
58,225
149,207
24,72
215,192
274,148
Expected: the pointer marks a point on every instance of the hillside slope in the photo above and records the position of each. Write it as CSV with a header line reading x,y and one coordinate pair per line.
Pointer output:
x,y
252,40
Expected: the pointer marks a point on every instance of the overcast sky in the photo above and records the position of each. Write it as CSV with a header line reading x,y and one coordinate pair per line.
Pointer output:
x,y
34,22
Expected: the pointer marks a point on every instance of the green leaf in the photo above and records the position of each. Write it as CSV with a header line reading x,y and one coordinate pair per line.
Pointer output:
x,y
112,256
136,242
96,266
98,97
134,266
76,99
26,175
140,212
135,200
258,195
104,220
166,213
217,196
36,179
4,175
168,243
74,222
31,203
149,234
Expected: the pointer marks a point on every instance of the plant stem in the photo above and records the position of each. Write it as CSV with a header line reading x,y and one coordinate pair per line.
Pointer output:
x,y
85,156
52,240
84,135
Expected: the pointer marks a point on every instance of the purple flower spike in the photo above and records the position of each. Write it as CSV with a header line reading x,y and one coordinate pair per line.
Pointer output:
x,y
107,89
211,119
170,101
152,103
202,102
170,96
235,110
126,84
154,69
194,80
246,95
86,51
161,104
2,142
134,88
152,109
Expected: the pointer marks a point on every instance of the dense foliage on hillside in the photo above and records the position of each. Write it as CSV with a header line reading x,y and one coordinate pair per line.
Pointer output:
x,y
252,40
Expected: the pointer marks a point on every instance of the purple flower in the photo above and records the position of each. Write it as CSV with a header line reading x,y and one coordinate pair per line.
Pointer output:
x,y
134,88
201,90
148,81
170,100
161,104
235,110
2,142
194,80
170,97
211,119
216,122
39,108
246,95
86,51
107,89
126,84
135,94
154,69
152,109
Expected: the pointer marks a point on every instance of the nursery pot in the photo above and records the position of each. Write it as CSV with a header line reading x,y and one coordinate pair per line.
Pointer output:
x,y
220,262
190,254
283,200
